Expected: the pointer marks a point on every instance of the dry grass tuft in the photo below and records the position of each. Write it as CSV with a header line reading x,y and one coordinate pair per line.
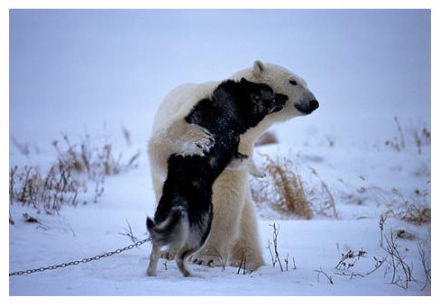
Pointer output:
x,y
412,209
326,207
420,134
416,214
283,189
95,161
77,165
29,187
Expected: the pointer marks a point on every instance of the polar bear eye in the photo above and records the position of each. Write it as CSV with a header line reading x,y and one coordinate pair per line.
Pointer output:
x,y
293,82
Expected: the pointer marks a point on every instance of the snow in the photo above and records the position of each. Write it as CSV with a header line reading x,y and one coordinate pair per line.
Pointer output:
x,y
98,71
86,231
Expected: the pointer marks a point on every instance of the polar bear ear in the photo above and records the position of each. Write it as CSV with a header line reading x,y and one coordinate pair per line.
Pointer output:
x,y
258,67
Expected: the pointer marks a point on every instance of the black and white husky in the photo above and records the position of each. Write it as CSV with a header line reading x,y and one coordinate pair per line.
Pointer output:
x,y
183,217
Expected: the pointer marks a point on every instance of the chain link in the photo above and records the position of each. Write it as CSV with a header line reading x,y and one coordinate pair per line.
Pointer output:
x,y
82,261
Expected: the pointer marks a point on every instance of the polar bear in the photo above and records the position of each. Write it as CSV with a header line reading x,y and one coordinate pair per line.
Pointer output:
x,y
234,233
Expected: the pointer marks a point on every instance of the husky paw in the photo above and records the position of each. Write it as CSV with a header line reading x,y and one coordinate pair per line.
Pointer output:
x,y
195,141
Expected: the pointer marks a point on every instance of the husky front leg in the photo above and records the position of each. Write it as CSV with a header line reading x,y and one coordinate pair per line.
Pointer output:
x,y
154,259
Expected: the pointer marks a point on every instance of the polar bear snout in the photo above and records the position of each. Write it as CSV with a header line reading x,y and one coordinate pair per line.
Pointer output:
x,y
313,104
307,107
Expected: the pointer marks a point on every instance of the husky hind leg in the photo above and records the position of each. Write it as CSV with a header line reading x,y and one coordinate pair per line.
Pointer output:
x,y
154,259
173,231
181,259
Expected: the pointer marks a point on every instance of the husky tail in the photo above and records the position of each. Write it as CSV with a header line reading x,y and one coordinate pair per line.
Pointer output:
x,y
167,232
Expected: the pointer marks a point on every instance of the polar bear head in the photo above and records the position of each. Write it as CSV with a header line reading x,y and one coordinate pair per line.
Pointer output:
x,y
301,100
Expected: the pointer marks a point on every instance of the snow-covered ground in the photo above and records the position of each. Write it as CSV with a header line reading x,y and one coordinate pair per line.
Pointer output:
x,y
315,244
96,71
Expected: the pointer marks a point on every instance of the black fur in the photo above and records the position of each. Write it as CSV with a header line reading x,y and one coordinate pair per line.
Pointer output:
x,y
234,108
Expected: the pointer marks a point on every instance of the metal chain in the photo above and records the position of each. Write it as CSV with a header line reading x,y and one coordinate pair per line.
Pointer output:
x,y
85,260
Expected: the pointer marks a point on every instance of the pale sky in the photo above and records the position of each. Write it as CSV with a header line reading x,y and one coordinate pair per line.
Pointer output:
x,y
76,69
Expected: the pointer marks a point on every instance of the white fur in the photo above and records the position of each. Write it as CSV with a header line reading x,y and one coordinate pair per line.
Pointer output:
x,y
234,230
246,164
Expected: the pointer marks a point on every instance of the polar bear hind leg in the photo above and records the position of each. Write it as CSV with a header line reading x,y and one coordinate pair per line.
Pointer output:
x,y
228,206
247,247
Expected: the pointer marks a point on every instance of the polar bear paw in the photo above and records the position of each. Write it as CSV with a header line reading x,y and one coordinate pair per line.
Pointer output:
x,y
195,141
207,260
251,266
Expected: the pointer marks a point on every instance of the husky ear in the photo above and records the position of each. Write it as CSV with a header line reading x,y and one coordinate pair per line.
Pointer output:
x,y
267,91
243,80
258,68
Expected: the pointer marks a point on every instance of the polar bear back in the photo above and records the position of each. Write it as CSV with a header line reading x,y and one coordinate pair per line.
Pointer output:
x,y
179,102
